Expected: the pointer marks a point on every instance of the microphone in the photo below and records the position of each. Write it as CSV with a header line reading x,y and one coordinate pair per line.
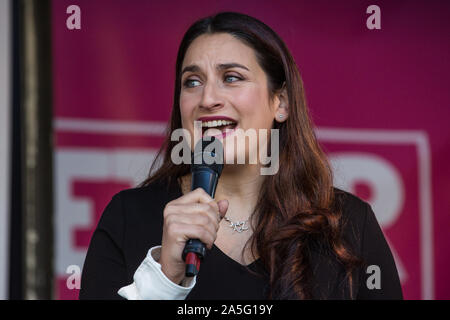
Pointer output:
x,y
206,167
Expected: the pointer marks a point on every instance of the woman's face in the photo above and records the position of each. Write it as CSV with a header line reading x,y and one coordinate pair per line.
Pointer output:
x,y
222,80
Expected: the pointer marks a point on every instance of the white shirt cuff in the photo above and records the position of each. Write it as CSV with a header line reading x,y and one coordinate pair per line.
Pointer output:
x,y
150,283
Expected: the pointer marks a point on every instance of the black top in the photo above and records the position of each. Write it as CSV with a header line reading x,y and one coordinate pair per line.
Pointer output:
x,y
132,223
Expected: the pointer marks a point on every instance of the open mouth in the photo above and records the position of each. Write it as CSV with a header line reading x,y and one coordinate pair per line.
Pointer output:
x,y
223,125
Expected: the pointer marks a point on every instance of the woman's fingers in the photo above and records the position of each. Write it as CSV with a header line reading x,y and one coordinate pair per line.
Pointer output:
x,y
201,220
210,208
197,195
185,231
223,207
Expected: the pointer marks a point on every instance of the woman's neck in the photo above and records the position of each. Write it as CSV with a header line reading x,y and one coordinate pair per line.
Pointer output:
x,y
238,184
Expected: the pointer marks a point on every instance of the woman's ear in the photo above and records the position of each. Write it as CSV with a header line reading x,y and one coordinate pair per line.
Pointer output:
x,y
282,109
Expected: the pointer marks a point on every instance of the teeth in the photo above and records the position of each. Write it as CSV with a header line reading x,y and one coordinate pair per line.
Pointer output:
x,y
216,123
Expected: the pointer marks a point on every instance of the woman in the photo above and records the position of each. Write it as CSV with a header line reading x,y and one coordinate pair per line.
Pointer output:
x,y
301,238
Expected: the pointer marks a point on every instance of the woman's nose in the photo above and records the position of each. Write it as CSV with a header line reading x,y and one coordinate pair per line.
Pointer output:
x,y
211,98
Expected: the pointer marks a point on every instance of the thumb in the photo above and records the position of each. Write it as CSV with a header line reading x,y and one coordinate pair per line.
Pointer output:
x,y
223,207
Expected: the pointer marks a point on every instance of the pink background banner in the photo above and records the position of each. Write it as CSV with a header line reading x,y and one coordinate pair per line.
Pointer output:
x,y
379,99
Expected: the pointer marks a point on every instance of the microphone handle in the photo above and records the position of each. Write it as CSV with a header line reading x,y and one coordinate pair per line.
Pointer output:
x,y
195,250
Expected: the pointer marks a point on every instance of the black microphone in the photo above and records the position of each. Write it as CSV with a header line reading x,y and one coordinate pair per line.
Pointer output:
x,y
206,167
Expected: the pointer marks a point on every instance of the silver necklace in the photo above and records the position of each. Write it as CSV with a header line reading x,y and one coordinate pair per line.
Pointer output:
x,y
238,226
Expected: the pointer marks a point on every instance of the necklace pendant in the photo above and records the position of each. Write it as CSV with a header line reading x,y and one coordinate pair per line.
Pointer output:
x,y
238,226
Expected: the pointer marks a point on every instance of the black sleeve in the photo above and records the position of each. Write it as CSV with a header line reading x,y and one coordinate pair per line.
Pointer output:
x,y
104,271
375,251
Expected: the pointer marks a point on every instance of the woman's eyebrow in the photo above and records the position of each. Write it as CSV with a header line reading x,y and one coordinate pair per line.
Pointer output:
x,y
222,66
190,68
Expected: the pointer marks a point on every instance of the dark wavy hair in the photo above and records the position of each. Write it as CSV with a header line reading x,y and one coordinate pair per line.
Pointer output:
x,y
297,207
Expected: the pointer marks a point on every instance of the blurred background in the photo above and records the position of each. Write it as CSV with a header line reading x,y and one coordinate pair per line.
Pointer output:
x,y
86,90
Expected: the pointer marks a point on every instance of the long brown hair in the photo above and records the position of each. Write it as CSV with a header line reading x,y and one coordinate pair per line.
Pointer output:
x,y
297,206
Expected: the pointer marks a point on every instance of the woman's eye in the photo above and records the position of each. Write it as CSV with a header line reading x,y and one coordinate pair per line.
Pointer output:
x,y
191,83
231,79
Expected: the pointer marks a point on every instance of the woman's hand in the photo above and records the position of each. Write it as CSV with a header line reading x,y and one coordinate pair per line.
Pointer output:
x,y
194,215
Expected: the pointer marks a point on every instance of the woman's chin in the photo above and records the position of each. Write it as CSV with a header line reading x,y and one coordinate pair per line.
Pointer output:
x,y
238,160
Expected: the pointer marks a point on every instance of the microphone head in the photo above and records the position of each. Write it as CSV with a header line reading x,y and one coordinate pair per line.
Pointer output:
x,y
208,153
